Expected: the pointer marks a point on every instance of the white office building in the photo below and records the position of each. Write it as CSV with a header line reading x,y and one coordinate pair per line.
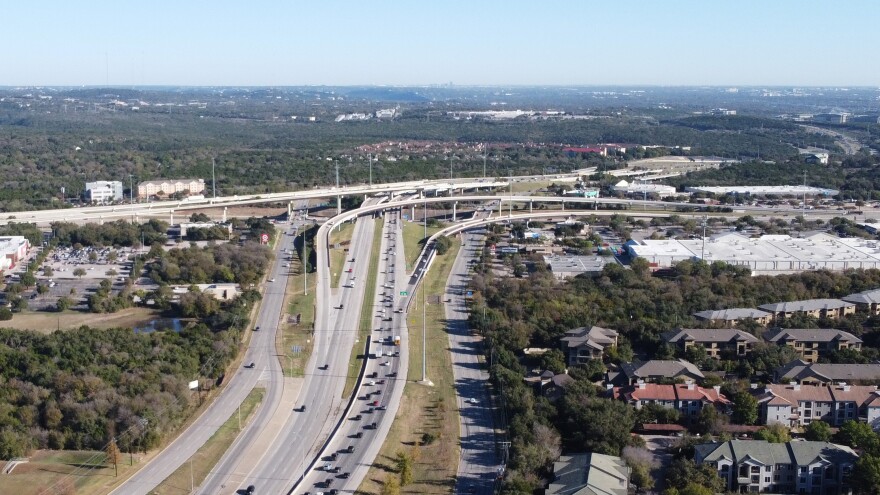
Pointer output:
x,y
103,191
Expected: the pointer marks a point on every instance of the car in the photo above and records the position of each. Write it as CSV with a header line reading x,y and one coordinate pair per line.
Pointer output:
x,y
359,434
250,365
349,270
373,375
374,403
349,449
302,408
381,382
386,363
257,328
271,280
333,456
250,490
472,401
351,260
328,467
343,476
324,367
392,374
371,382
356,417
380,408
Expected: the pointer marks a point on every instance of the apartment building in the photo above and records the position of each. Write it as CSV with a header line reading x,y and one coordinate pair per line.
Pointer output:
x,y
818,308
815,468
582,345
170,186
811,343
796,405
805,373
589,474
868,300
714,341
686,398
653,371
730,317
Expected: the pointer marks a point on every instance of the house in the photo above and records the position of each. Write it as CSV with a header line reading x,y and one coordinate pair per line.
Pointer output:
x,y
589,474
802,372
730,317
581,345
686,398
795,405
818,308
819,468
548,384
714,341
811,343
653,371
868,300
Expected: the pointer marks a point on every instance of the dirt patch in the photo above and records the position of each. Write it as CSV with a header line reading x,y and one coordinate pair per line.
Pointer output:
x,y
49,322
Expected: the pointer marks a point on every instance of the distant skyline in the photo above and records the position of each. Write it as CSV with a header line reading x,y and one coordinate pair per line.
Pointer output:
x,y
483,43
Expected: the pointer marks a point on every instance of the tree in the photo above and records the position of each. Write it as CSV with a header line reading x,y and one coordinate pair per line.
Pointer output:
x,y
866,475
42,289
775,433
404,467
596,425
63,303
28,279
19,304
79,272
442,245
745,408
48,271
113,455
684,472
858,435
818,431
5,314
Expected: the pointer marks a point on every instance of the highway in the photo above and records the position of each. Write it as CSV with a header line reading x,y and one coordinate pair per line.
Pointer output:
x,y
281,463
261,352
479,463
373,411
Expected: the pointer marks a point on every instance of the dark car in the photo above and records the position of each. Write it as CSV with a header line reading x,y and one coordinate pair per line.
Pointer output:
x,y
359,434
250,365
356,417
250,490
343,476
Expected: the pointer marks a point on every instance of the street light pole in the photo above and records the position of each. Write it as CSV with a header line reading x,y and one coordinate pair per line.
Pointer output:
x,y
213,178
370,158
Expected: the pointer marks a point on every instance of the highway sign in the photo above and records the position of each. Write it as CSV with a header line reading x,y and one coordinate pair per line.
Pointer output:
x,y
404,293
264,238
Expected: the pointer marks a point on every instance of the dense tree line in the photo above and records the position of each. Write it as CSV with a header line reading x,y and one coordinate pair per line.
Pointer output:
x,y
117,233
243,264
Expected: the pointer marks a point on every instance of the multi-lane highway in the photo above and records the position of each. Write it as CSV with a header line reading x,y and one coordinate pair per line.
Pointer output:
x,y
262,353
478,465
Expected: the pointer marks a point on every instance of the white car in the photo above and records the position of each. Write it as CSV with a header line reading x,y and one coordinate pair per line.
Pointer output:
x,y
472,401
271,280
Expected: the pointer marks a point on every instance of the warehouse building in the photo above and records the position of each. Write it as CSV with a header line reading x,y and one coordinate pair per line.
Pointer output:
x,y
793,191
564,266
643,188
765,255
12,250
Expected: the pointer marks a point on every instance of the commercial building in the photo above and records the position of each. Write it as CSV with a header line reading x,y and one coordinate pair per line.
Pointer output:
x,y
765,255
653,370
714,341
186,226
793,191
730,317
168,187
103,191
813,343
796,405
816,468
583,344
567,266
817,308
589,474
12,250
686,398
806,373
868,300
644,188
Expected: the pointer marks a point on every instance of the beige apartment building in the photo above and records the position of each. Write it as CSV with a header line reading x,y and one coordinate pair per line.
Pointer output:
x,y
167,187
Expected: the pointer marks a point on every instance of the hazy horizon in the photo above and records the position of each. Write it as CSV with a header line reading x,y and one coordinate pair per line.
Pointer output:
x,y
568,43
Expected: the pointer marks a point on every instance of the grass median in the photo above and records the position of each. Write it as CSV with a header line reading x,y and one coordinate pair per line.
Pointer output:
x,y
200,464
426,426
295,335
413,240
339,237
365,324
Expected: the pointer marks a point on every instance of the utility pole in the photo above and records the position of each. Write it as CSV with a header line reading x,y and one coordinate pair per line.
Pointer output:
x,y
703,252
510,192
213,178
370,158
485,152
305,264
131,189
338,197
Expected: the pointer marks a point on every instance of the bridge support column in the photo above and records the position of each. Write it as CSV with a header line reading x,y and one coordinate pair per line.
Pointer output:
x,y
339,205
224,214
412,215
171,221
499,208
530,206
289,210
563,205
454,204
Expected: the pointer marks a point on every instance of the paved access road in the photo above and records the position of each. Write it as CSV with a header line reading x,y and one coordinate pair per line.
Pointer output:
x,y
261,352
479,465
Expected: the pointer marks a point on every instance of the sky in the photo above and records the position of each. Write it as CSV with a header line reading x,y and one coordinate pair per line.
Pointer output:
x,y
421,42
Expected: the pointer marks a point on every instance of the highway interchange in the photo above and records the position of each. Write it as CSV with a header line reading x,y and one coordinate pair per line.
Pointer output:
x,y
296,455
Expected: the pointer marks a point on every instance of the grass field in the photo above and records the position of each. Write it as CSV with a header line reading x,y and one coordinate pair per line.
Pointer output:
x,y
413,239
53,472
211,452
49,322
430,410
291,334
342,237
365,325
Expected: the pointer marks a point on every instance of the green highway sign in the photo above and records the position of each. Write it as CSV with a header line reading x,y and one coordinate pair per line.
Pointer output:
x,y
404,293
